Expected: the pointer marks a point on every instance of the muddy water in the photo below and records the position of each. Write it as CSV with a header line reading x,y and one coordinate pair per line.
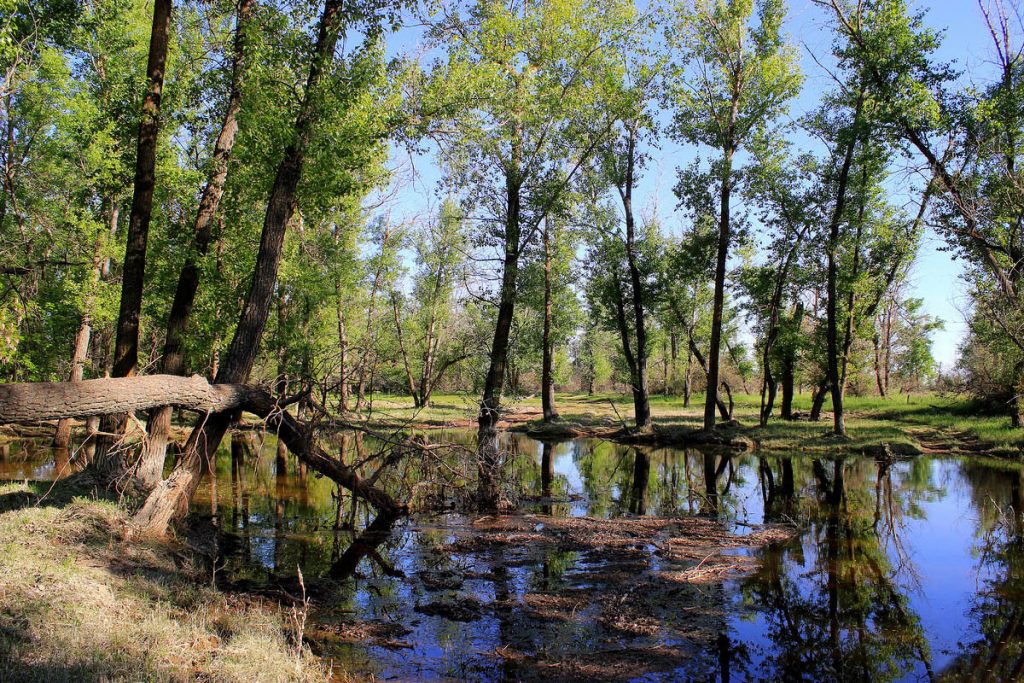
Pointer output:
x,y
909,570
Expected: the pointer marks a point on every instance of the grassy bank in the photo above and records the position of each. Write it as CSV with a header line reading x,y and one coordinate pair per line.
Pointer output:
x,y
79,603
927,422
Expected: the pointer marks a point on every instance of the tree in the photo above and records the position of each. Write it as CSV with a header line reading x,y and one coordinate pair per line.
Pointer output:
x,y
735,75
777,184
620,161
111,465
440,252
517,114
970,144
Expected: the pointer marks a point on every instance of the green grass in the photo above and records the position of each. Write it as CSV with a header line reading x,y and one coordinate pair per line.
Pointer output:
x,y
927,420
77,602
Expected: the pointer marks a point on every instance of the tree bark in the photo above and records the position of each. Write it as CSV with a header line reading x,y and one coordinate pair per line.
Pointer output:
x,y
879,378
788,370
488,453
831,305
818,400
126,345
173,362
36,402
401,348
711,400
170,499
547,379
641,399
627,345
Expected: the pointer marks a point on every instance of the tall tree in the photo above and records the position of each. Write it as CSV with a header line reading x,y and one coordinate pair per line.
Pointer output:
x,y
519,89
126,346
735,75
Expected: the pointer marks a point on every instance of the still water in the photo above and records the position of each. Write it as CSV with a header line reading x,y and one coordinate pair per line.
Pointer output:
x,y
907,570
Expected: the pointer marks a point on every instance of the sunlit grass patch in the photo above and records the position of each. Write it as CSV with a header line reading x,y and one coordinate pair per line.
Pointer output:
x,y
871,420
77,602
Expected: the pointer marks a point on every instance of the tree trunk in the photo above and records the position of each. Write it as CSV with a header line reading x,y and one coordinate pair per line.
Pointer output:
x,y
95,397
62,434
788,370
488,454
641,399
786,382
832,327
818,400
699,357
126,345
547,380
342,350
711,400
401,347
170,499
627,345
35,402
673,363
151,464
687,386
1017,400
879,381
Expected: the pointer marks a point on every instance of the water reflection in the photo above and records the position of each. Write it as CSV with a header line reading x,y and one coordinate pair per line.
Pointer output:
x,y
905,570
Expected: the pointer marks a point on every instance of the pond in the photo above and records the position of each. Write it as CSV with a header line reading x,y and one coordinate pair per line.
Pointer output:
x,y
906,570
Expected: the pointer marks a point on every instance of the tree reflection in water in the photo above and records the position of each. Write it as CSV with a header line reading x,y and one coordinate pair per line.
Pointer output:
x,y
899,570
998,606
834,604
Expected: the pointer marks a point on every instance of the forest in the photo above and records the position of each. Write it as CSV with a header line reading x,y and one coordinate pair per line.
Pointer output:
x,y
486,340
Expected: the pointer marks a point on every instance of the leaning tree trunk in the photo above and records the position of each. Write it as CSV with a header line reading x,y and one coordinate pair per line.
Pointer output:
x,y
151,464
818,400
35,402
170,499
112,465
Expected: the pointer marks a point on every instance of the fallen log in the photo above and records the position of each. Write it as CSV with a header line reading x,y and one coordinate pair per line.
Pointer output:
x,y
20,403
41,401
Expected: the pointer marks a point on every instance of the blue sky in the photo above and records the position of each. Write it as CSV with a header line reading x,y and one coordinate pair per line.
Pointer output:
x,y
935,278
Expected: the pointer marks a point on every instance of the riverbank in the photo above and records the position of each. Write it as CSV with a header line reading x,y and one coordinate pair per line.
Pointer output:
x,y
925,424
77,602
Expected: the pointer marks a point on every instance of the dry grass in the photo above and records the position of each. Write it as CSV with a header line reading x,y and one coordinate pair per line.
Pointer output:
x,y
77,603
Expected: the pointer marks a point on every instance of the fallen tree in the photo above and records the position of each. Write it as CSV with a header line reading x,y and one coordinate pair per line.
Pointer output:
x,y
43,401
35,402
